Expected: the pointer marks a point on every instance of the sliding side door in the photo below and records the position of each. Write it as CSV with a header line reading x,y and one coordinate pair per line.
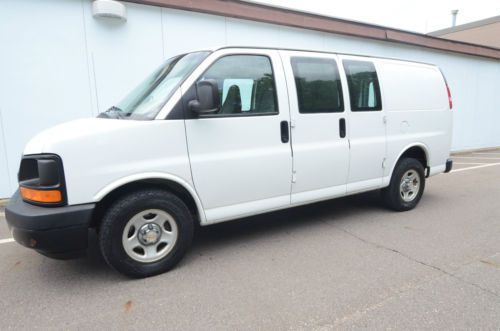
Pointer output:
x,y
319,136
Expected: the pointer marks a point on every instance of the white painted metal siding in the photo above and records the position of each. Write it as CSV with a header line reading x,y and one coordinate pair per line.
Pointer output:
x,y
59,63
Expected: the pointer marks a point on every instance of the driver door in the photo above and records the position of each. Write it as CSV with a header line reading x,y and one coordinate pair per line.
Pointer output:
x,y
241,159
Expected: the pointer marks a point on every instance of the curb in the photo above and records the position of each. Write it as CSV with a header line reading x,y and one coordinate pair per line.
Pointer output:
x,y
3,202
466,151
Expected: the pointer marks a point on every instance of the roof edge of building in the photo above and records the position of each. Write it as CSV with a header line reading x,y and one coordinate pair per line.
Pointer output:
x,y
466,26
288,17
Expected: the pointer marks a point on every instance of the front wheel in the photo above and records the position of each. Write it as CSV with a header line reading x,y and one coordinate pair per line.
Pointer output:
x,y
406,186
146,233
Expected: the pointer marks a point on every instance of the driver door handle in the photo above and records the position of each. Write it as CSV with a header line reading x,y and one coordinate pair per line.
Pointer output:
x,y
342,129
285,132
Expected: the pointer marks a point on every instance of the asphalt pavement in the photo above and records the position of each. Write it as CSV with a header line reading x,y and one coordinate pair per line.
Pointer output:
x,y
342,264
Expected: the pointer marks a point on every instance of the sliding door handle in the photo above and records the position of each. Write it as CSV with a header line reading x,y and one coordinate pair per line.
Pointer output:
x,y
342,130
285,132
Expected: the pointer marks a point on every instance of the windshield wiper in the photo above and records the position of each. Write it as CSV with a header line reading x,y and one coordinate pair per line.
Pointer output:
x,y
113,112
114,108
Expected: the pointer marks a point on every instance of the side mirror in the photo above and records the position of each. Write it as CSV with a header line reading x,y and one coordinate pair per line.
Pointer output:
x,y
208,98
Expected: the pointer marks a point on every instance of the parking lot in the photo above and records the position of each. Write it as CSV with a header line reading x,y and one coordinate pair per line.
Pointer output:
x,y
341,264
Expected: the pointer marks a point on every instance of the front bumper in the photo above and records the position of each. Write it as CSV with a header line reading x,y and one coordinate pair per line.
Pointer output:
x,y
58,232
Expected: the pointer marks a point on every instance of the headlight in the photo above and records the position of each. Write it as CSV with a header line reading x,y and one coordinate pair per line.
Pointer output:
x,y
41,180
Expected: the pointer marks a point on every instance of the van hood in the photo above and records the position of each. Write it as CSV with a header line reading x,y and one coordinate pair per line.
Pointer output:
x,y
72,132
100,154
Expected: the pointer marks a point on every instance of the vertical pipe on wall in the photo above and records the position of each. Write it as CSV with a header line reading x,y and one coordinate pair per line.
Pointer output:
x,y
454,14
4,163
90,71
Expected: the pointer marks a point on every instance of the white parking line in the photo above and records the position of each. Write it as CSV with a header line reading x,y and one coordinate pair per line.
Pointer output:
x,y
2,214
6,241
476,167
494,153
470,163
476,157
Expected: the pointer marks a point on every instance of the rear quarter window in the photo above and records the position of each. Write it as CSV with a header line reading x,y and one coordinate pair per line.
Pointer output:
x,y
364,89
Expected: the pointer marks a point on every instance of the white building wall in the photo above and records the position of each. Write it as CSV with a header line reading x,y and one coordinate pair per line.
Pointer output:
x,y
44,76
58,63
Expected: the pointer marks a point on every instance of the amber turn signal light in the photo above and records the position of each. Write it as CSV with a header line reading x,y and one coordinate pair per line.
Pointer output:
x,y
49,196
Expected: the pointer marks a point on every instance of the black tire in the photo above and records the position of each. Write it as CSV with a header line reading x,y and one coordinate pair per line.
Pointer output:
x,y
392,195
122,210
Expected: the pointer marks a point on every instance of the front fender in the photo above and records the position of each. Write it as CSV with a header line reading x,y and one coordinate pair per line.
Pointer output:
x,y
151,175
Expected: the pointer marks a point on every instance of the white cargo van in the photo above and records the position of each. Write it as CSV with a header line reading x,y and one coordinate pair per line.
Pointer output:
x,y
217,135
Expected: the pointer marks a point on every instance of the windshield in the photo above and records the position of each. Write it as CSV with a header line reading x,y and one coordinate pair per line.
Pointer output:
x,y
146,100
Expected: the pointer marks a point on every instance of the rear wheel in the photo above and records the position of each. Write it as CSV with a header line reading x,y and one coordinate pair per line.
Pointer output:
x,y
146,233
406,186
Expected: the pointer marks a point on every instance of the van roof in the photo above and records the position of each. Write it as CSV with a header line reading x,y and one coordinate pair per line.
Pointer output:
x,y
321,52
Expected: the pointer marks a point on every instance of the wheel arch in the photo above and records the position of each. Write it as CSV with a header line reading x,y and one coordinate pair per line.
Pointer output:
x,y
418,151
172,183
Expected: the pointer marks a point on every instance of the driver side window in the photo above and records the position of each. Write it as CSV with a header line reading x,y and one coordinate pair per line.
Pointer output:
x,y
246,85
